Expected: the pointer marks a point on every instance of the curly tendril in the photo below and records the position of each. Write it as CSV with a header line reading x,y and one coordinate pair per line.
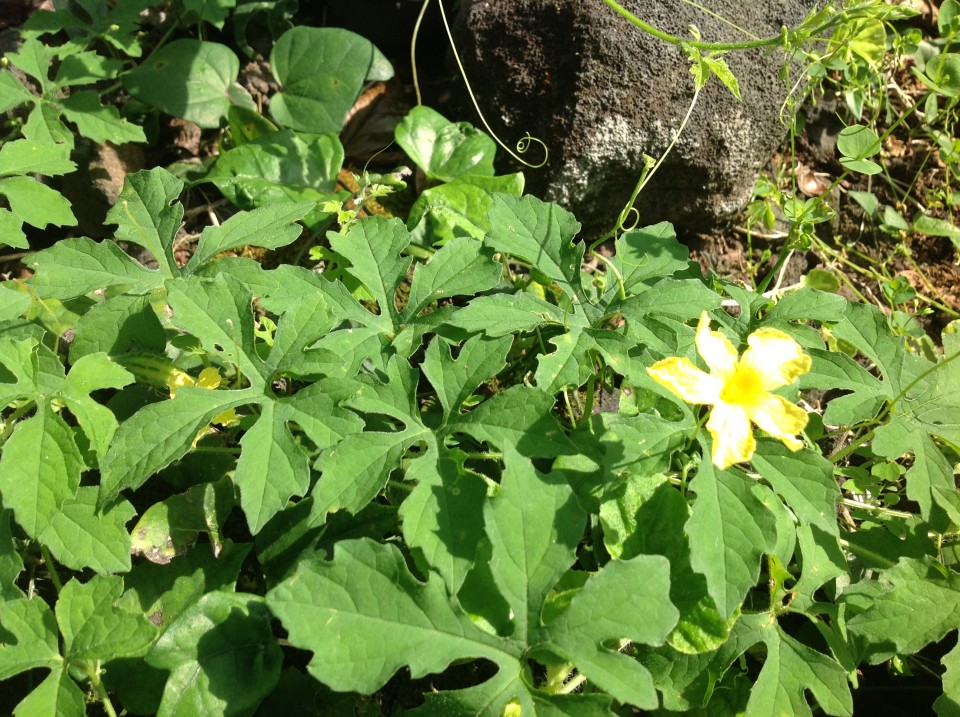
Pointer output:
x,y
523,144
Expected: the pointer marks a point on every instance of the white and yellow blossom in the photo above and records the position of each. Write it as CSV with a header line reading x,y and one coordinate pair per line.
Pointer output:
x,y
739,389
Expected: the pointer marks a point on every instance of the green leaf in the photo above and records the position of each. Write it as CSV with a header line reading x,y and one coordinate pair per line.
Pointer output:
x,y
221,655
866,327
646,255
220,314
280,167
808,303
189,79
84,68
718,66
101,123
948,704
11,564
534,525
572,364
823,560
39,469
271,469
937,228
832,369
24,156
301,325
88,21
271,227
518,417
804,480
79,537
213,11
373,249
56,695
942,74
35,203
12,92
321,72
455,379
688,681
864,166
164,592
462,267
357,468
170,527
34,57
148,214
682,299
124,325
34,630
13,303
11,229
541,234
648,518
503,314
247,125
95,628
160,433
316,410
442,518
617,451
789,672
729,530
458,208
444,150
858,142
596,615
367,592
76,266
90,373
913,604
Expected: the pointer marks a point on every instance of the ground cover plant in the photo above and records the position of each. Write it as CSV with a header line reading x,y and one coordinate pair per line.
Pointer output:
x,y
269,446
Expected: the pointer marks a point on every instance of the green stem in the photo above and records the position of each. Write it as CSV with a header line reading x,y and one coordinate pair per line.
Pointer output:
x,y
674,40
876,508
484,456
866,553
588,401
10,423
851,447
51,568
94,676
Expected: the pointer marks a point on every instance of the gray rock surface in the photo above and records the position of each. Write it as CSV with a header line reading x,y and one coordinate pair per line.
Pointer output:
x,y
601,93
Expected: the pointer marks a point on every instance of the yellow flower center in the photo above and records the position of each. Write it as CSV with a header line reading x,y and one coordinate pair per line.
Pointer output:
x,y
743,386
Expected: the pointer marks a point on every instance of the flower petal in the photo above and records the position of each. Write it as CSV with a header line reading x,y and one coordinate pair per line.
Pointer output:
x,y
780,418
177,379
777,358
686,380
209,378
733,440
716,350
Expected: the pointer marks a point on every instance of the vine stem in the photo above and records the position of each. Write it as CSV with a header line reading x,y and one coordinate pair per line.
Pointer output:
x,y
700,45
51,568
781,40
94,676
524,142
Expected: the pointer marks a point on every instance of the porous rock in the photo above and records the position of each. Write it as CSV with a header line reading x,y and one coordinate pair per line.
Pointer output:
x,y
602,93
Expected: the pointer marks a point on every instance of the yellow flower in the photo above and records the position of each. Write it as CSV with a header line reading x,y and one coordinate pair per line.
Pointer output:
x,y
208,378
738,388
